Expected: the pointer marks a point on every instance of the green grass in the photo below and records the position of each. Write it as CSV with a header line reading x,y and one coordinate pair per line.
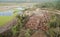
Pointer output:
x,y
5,19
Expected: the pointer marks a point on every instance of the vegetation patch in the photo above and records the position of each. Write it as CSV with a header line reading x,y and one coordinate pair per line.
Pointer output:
x,y
5,19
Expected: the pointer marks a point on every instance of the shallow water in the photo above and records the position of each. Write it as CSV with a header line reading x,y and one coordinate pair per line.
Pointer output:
x,y
6,13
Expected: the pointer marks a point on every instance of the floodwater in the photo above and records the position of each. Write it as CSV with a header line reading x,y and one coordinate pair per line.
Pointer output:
x,y
10,12
6,13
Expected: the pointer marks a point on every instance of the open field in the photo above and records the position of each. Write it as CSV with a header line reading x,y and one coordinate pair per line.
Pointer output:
x,y
7,6
5,19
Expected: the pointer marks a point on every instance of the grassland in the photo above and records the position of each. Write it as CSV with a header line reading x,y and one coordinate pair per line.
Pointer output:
x,y
5,19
